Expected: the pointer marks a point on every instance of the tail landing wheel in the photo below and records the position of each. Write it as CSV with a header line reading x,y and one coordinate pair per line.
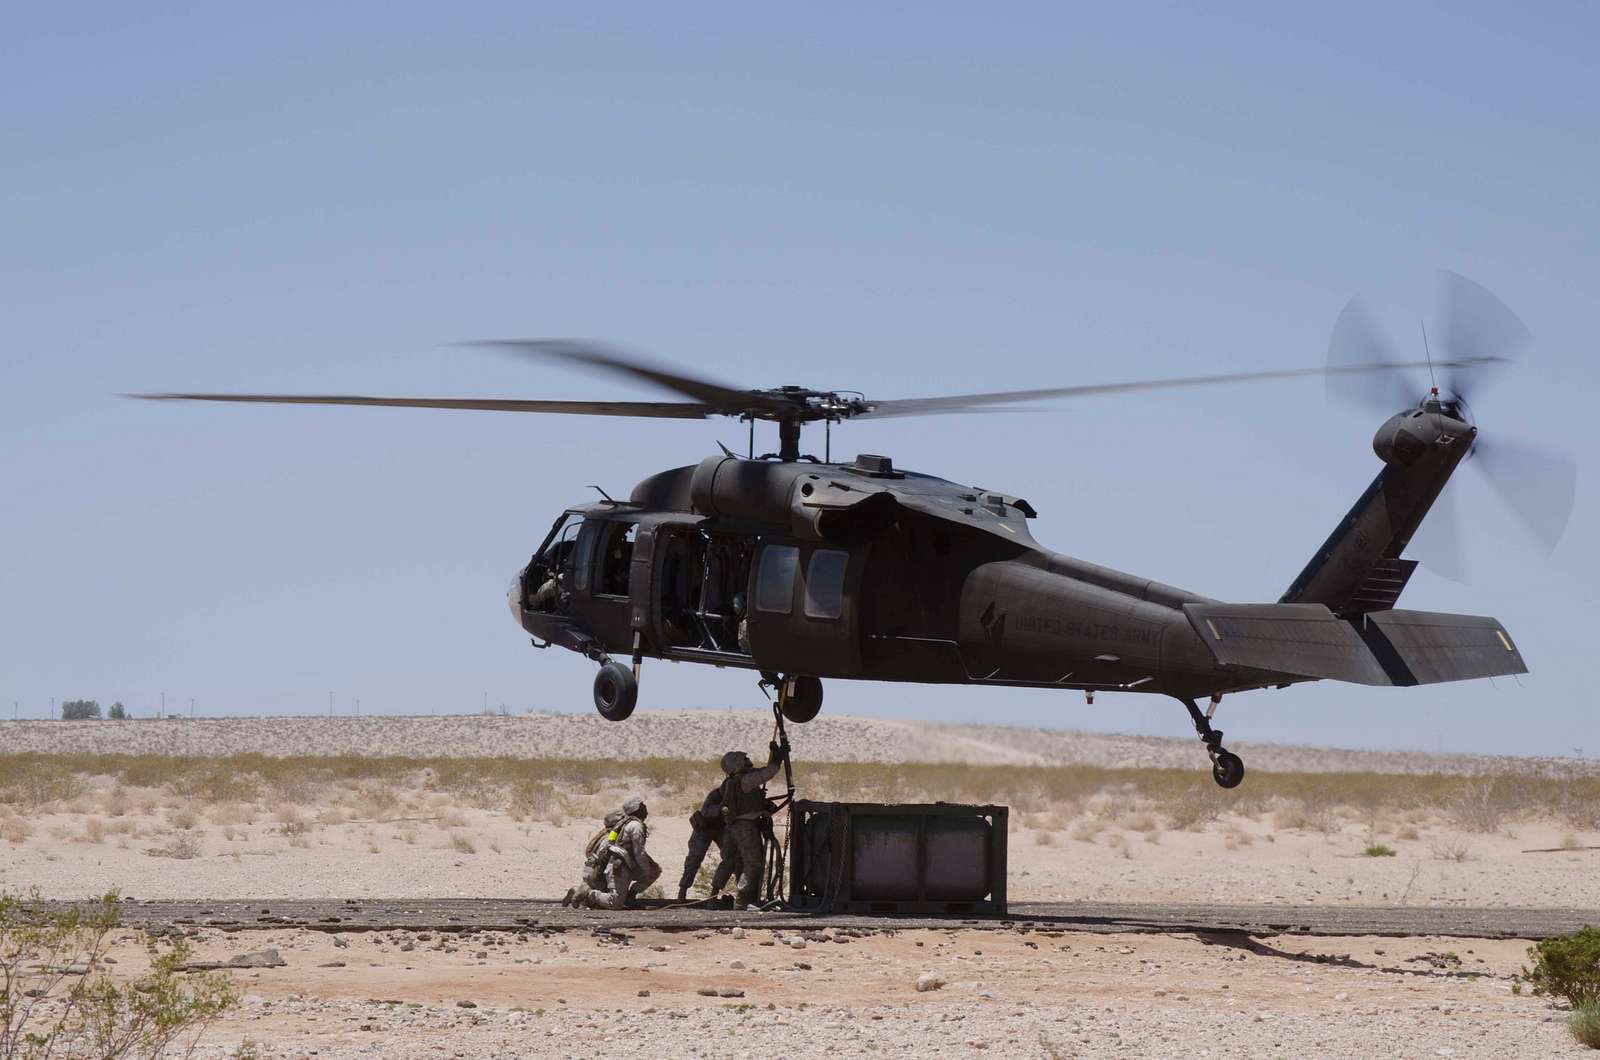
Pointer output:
x,y
1227,768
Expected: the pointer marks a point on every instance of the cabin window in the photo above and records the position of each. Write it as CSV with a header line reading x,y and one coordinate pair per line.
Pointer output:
x,y
825,583
775,580
616,558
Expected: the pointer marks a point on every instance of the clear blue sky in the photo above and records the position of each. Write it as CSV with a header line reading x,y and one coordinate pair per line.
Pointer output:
x,y
903,201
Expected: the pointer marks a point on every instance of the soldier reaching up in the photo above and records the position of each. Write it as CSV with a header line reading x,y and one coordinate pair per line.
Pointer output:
x,y
748,814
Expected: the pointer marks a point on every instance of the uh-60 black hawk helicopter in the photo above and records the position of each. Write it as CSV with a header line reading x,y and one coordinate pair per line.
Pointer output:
x,y
805,569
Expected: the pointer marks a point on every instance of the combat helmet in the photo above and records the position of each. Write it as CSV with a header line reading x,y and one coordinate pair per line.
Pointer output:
x,y
735,761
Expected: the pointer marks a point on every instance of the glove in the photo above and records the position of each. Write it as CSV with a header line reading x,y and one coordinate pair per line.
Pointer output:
x,y
774,752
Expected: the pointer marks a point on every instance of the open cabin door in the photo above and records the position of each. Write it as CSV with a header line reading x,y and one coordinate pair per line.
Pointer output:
x,y
805,608
698,601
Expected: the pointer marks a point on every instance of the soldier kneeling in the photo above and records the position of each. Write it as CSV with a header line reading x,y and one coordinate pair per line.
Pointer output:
x,y
629,868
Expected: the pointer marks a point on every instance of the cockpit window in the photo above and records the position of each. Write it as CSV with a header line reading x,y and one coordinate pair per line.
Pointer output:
x,y
548,578
616,558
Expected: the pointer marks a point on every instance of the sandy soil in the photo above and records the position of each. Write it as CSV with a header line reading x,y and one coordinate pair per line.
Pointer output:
x,y
689,734
1005,993
1234,859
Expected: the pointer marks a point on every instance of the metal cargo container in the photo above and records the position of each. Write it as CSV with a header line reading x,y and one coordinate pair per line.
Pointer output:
x,y
862,857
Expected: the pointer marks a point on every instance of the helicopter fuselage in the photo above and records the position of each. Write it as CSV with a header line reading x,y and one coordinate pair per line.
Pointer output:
x,y
855,571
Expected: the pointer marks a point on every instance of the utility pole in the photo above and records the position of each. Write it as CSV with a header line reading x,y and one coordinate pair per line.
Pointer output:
x,y
358,708
330,704
163,705
191,708
52,706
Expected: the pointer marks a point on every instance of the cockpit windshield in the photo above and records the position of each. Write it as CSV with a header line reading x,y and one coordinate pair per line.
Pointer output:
x,y
548,580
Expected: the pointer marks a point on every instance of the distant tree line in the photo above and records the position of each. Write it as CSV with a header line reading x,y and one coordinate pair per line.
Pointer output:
x,y
89,710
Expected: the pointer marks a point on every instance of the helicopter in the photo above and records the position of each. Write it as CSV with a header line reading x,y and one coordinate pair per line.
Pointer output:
x,y
807,569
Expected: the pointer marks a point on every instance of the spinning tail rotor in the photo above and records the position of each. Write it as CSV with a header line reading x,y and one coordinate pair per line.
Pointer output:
x,y
1478,337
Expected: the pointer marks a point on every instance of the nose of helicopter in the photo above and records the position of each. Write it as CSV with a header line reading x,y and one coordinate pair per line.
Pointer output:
x,y
514,596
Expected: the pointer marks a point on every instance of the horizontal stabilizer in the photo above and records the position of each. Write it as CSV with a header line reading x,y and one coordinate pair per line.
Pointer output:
x,y
1306,640
1424,648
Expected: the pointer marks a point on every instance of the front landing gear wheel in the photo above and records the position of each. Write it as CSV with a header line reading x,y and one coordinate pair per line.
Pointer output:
x,y
616,690
1227,769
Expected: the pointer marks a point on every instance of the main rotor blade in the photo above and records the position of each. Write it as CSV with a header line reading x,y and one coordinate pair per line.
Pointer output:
x,y
1357,340
972,402
649,409
1539,486
596,356
1473,323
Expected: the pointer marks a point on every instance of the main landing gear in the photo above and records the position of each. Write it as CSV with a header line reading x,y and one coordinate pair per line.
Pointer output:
x,y
799,698
1227,768
616,691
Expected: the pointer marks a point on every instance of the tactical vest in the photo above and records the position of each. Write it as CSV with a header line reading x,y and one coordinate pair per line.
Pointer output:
x,y
737,802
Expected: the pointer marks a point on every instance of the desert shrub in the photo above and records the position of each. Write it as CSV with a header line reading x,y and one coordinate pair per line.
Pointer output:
x,y
291,824
1307,816
217,783
467,780
30,781
1378,850
536,800
1192,806
79,710
1450,848
375,800
1584,1024
462,843
1580,809
92,1015
671,775
1477,807
1567,966
185,846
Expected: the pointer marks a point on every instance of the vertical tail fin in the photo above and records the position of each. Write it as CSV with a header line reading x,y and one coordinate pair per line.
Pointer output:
x,y
1358,569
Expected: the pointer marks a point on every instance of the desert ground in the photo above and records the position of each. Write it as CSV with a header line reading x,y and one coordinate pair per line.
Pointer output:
x,y
501,806
754,993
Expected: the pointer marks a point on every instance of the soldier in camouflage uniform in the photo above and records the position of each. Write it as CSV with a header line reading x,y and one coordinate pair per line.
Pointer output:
x,y
630,869
597,855
749,814
709,829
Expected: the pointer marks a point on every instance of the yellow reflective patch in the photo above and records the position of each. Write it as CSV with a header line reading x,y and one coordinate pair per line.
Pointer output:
x,y
1503,640
612,837
1214,631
